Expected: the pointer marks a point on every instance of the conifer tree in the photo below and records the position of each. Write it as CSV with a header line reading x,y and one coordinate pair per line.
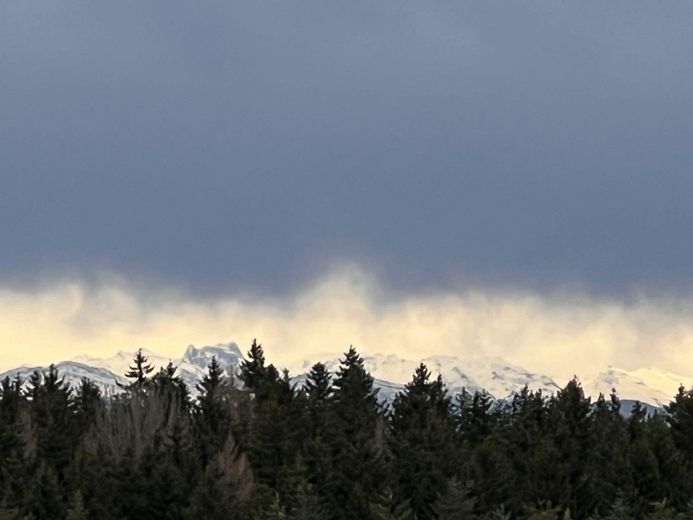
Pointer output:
x,y
476,416
318,390
170,386
422,441
316,445
570,416
52,420
212,379
12,442
608,435
139,371
87,404
254,373
528,447
680,419
212,417
358,471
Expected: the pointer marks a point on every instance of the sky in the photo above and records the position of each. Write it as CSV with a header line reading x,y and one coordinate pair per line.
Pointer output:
x,y
176,172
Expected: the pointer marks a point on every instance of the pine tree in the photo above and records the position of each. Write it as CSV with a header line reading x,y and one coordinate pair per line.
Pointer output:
x,y
212,416
608,435
87,404
318,389
139,371
52,420
12,441
672,472
358,472
476,417
570,422
212,379
316,451
167,384
528,447
422,441
254,373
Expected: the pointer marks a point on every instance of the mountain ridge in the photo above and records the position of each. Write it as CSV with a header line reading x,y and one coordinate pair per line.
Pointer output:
x,y
650,385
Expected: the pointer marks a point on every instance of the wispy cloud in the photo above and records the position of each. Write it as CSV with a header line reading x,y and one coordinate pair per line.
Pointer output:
x,y
559,334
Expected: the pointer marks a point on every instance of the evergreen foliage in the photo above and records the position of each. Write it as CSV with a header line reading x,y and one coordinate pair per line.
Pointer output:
x,y
140,370
264,448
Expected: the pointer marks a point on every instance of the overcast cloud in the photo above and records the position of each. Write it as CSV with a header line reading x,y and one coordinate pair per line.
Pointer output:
x,y
220,145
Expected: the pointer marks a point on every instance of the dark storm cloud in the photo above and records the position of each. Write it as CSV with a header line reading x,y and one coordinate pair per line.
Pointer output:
x,y
253,144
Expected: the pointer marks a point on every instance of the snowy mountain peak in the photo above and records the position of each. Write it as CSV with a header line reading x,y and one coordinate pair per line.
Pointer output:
x,y
653,386
495,375
227,354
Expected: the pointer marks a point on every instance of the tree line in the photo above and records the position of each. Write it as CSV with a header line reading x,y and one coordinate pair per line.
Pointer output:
x,y
250,445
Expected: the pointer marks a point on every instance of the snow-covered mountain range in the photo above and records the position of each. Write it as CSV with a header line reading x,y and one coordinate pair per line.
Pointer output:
x,y
499,378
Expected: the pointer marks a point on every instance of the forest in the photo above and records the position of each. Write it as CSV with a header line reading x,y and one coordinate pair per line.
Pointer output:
x,y
251,445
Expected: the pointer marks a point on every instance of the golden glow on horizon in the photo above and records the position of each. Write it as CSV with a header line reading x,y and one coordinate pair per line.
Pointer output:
x,y
559,336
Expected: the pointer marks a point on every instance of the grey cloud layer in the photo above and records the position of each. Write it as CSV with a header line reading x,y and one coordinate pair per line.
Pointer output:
x,y
250,144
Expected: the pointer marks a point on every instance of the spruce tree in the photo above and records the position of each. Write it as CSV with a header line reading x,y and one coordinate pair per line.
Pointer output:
x,y
52,420
12,440
358,472
422,441
570,416
316,445
212,416
608,435
254,373
528,447
87,404
273,441
139,371
476,417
